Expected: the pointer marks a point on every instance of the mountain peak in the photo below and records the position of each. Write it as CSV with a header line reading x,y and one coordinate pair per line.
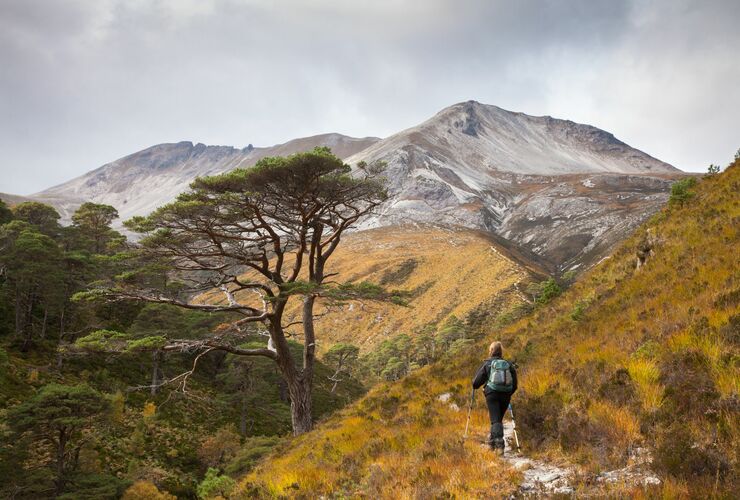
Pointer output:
x,y
550,186
485,138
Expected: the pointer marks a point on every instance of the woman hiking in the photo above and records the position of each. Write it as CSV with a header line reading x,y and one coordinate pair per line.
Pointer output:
x,y
499,377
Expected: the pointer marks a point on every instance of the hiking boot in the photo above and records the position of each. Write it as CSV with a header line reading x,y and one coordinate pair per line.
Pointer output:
x,y
491,441
499,446
496,438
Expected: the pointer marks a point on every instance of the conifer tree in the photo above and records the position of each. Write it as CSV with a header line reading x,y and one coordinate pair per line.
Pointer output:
x,y
262,237
56,417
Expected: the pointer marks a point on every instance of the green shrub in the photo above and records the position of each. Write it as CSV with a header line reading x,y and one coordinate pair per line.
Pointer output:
x,y
251,451
579,310
214,485
680,191
548,290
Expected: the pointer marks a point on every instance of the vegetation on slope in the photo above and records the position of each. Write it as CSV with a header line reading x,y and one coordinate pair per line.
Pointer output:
x,y
446,272
641,351
234,406
137,432
442,273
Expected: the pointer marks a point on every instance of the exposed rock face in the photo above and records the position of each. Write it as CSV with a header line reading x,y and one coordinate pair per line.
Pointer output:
x,y
559,192
140,182
562,190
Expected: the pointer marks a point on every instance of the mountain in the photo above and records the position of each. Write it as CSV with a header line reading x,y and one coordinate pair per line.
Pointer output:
x,y
564,191
138,183
479,140
14,199
633,370
559,192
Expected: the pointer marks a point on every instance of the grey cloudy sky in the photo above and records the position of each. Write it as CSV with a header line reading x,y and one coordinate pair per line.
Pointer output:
x,y
84,82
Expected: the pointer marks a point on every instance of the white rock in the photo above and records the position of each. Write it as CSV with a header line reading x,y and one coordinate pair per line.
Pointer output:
x,y
444,397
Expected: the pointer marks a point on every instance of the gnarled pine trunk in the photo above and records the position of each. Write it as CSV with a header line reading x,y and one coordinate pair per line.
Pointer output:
x,y
299,381
300,406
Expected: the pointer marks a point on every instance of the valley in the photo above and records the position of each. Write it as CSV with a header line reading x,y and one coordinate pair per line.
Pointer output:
x,y
539,232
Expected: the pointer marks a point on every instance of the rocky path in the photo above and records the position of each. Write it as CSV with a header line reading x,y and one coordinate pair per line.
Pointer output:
x,y
542,478
539,477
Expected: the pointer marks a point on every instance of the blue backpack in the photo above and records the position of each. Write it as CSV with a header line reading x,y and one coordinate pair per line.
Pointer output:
x,y
499,377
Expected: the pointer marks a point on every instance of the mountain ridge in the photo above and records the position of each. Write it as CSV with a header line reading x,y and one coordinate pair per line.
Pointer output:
x,y
140,182
560,191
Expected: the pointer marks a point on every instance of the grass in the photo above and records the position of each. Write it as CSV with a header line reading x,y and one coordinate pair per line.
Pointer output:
x,y
618,423
646,375
447,272
652,359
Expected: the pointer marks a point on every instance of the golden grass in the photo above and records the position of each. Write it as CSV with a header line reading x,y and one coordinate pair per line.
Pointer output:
x,y
646,374
642,320
596,349
537,381
619,423
455,272
673,489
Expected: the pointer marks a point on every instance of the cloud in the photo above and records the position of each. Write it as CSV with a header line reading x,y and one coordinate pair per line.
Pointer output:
x,y
88,81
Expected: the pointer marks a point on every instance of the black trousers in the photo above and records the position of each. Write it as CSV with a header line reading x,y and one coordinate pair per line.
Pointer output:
x,y
498,403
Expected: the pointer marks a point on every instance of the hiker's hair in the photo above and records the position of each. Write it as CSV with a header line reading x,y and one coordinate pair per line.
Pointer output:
x,y
495,350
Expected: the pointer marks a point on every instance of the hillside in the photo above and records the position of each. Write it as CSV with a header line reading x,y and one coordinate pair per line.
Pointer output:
x,y
446,272
641,353
13,199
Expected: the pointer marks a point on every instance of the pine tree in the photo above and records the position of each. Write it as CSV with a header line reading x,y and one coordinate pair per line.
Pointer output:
x,y
56,417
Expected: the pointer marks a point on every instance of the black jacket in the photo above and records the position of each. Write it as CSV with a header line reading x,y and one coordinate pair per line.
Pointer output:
x,y
481,376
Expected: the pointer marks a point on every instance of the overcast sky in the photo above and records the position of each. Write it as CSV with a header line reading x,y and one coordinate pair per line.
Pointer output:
x,y
84,82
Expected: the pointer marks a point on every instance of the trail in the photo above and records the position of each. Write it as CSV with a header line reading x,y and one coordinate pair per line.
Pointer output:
x,y
539,477
543,478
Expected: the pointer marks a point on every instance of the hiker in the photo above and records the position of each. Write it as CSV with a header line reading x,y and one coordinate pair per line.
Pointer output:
x,y
499,377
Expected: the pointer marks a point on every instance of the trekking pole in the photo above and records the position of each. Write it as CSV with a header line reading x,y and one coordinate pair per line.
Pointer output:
x,y
513,427
470,409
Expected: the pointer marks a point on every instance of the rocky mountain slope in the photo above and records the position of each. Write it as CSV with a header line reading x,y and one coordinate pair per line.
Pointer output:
x,y
561,192
138,183
565,191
